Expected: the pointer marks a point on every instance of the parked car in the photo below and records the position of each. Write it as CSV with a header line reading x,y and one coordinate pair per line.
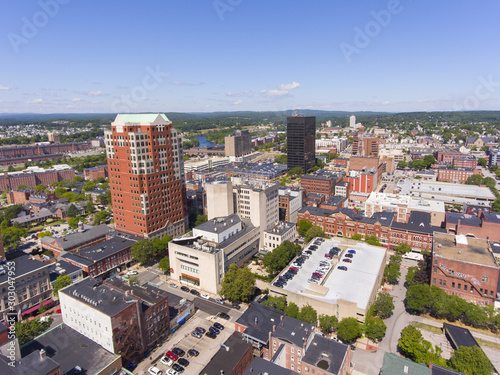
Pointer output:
x,y
313,281
183,362
185,288
178,368
343,268
194,292
347,260
235,305
205,296
328,255
223,315
171,355
179,352
351,251
155,371
214,330
167,361
219,300
171,371
211,335
194,352
196,334
200,329
172,285
219,326
130,273
349,255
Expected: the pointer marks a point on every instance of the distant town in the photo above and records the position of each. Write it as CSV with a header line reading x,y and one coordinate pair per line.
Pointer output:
x,y
299,242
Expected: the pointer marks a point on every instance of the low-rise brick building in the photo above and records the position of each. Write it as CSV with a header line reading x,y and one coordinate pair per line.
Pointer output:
x,y
456,175
485,224
465,267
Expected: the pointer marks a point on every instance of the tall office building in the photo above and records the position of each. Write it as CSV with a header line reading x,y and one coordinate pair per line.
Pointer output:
x,y
301,137
238,144
146,175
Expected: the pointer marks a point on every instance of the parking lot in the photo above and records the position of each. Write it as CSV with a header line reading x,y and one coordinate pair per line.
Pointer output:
x,y
303,276
31,243
206,346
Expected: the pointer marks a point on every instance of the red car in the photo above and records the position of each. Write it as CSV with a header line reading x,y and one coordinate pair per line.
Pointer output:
x,y
317,274
328,256
347,260
171,355
58,311
294,269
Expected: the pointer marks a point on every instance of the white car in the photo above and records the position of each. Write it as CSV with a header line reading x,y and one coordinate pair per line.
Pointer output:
x,y
204,295
167,361
172,372
219,300
130,273
154,371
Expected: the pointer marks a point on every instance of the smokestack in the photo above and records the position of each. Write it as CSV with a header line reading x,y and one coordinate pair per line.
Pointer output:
x,y
43,354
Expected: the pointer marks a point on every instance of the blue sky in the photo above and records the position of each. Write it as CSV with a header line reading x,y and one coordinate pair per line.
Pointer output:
x,y
226,55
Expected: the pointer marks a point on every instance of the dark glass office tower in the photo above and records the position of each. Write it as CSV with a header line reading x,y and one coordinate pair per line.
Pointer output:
x,y
301,138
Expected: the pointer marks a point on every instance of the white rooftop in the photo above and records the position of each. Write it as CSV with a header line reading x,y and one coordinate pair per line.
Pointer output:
x,y
355,285
140,118
411,201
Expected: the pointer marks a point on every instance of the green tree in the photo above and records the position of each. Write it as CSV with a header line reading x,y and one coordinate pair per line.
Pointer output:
x,y
383,305
375,329
11,236
279,258
22,186
429,160
292,310
328,323
90,207
314,231
392,273
161,244
44,234
413,346
411,275
164,264
62,281
496,205
27,330
72,211
143,251
41,188
101,217
304,225
403,248
475,179
78,179
278,303
349,330
309,315
372,240
59,191
296,172
73,222
356,237
238,284
282,159
402,164
89,185
482,162
200,219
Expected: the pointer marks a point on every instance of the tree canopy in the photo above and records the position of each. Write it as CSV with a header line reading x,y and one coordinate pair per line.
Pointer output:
x,y
375,329
349,330
279,258
470,361
309,315
62,281
328,323
143,251
303,226
413,346
164,264
314,231
383,305
238,284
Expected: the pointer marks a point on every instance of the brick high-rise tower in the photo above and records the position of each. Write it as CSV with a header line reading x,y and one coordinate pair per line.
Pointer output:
x,y
146,175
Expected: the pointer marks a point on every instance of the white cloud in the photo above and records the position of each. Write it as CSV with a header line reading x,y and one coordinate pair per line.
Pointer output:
x,y
180,83
238,102
76,99
38,100
238,94
289,86
94,93
70,106
2,87
274,92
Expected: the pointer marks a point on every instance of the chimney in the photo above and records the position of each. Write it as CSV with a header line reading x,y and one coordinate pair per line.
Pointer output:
x,y
255,321
282,317
274,328
43,354
304,345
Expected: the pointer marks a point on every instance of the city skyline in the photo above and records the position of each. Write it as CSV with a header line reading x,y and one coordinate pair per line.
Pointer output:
x,y
388,56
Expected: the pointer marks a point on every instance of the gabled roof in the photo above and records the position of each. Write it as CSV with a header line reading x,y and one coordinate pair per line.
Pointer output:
x,y
396,365
259,320
321,349
419,222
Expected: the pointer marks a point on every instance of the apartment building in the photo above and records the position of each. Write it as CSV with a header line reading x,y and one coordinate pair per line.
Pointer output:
x,y
276,236
291,201
146,175
456,175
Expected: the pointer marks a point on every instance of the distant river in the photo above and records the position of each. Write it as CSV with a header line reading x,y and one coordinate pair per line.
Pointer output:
x,y
204,142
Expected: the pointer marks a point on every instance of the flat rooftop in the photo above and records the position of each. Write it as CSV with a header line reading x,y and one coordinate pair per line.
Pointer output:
x,y
70,348
413,202
355,284
477,250
445,189
23,265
